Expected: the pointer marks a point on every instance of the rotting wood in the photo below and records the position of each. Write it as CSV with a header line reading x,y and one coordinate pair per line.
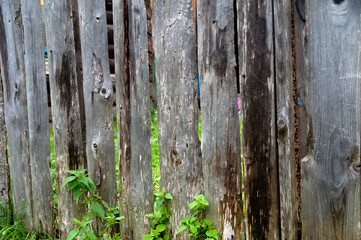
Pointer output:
x,y
220,121
174,37
38,116
285,117
133,112
98,98
16,116
256,57
69,146
331,169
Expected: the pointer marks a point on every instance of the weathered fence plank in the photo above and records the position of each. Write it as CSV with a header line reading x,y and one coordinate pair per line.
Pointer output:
x,y
220,124
69,146
98,98
16,116
258,126
4,164
133,111
38,116
331,169
174,37
284,44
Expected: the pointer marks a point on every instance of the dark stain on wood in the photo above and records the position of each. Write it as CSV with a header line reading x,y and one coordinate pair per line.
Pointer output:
x,y
4,56
63,78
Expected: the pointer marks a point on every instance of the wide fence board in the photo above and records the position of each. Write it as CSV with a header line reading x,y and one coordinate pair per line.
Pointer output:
x,y
98,98
285,118
133,111
38,116
174,37
221,148
331,169
16,117
4,164
69,147
256,57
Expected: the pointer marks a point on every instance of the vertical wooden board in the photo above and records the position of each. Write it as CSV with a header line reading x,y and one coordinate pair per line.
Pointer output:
x,y
285,118
256,57
16,116
68,141
220,121
330,171
4,164
98,98
133,101
174,37
38,116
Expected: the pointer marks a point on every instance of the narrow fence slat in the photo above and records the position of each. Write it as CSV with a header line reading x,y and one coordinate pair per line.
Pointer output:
x,y
256,58
133,111
98,98
220,121
69,146
285,119
16,116
331,169
4,164
174,37
38,116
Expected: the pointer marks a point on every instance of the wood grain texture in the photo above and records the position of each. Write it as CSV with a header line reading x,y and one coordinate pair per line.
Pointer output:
x,y
174,37
16,112
4,163
69,146
331,169
38,116
256,57
133,111
98,98
285,118
220,124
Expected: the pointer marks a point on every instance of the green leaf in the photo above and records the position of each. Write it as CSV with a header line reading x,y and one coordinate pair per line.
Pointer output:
x,y
212,233
186,219
204,202
120,218
84,181
72,185
98,209
168,196
72,171
147,237
77,192
206,223
166,237
161,227
192,205
150,215
163,209
68,179
158,194
182,228
193,229
72,234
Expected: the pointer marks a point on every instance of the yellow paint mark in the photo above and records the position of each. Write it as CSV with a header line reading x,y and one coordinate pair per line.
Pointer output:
x,y
42,2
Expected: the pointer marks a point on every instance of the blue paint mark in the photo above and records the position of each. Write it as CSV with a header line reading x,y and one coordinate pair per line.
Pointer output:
x,y
299,101
198,90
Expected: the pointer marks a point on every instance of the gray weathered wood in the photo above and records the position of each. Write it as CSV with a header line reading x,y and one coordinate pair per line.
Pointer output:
x,y
133,111
14,83
98,98
258,125
285,118
68,141
38,116
331,169
4,163
174,37
220,124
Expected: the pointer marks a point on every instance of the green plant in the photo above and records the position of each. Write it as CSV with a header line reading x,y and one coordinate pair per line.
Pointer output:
x,y
160,217
199,227
99,211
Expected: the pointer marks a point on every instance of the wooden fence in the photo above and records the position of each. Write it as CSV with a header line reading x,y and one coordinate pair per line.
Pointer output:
x,y
297,64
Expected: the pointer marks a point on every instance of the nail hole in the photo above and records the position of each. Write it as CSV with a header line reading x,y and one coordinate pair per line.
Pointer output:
x,y
103,91
97,18
95,145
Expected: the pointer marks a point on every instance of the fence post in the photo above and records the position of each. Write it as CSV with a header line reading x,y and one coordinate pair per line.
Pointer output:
x,y
220,121
98,98
331,169
257,85
4,164
16,116
69,146
133,111
174,37
38,115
